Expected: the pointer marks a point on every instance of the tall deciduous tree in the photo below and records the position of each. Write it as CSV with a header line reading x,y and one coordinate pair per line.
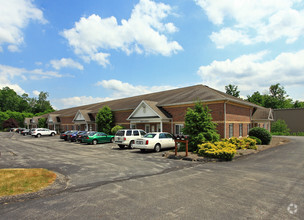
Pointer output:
x,y
276,98
105,120
9,100
199,126
256,98
42,123
42,104
232,90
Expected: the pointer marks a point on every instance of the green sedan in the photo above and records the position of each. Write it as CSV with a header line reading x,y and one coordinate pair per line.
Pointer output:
x,y
97,137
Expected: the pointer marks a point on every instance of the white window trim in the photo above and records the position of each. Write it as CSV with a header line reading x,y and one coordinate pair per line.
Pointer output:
x,y
181,126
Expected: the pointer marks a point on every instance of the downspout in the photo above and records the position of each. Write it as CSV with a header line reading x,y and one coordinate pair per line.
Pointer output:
x,y
225,128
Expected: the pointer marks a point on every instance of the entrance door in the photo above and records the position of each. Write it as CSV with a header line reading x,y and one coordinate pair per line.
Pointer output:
x,y
147,128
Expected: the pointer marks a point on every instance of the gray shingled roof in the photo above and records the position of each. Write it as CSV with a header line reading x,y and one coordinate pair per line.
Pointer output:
x,y
189,94
262,114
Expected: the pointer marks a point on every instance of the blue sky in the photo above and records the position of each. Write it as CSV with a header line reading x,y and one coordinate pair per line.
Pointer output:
x,y
83,52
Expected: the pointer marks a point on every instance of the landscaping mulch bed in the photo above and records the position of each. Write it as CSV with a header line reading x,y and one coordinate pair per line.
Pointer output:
x,y
276,141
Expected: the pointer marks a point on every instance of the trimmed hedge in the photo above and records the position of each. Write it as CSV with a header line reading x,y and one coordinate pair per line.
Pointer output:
x,y
261,133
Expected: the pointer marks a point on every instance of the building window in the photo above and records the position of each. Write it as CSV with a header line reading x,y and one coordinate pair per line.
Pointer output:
x,y
147,128
179,129
241,130
248,128
230,130
133,126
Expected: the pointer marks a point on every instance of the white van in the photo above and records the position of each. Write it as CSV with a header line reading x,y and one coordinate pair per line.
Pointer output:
x,y
127,137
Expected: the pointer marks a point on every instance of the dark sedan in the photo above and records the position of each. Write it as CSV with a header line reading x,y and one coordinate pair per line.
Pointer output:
x,y
81,135
72,137
64,135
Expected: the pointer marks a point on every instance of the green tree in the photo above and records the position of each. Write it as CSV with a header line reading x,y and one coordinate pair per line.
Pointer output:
x,y
298,104
3,117
105,120
275,99
24,103
256,98
280,127
42,123
42,104
232,90
199,126
9,100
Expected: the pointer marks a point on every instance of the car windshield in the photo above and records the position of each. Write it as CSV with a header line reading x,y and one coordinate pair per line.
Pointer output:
x,y
120,133
150,135
91,133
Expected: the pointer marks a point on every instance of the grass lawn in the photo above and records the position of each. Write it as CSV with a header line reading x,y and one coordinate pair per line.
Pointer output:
x,y
19,181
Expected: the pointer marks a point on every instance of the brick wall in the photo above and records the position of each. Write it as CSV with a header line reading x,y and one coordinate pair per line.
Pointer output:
x,y
120,117
237,113
179,113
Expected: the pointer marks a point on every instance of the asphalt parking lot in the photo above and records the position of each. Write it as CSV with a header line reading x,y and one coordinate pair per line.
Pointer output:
x,y
104,182
82,164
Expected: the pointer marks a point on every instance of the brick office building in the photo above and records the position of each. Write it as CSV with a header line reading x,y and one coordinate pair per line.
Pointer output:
x,y
165,111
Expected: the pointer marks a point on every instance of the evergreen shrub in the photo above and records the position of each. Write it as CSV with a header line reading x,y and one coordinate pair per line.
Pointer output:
x,y
261,133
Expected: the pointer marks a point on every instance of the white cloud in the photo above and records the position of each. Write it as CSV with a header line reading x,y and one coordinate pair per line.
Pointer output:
x,y
254,21
76,101
144,31
9,73
36,93
15,87
14,16
121,89
228,36
117,88
13,48
66,63
251,74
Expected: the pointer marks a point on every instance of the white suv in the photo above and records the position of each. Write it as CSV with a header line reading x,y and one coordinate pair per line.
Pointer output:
x,y
127,137
38,132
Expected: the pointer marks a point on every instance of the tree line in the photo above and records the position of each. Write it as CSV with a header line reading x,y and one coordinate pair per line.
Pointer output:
x,y
14,106
276,98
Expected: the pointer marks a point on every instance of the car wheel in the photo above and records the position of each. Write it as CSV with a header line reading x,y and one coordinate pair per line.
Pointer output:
x,y
112,140
53,134
157,148
94,142
38,135
131,144
121,146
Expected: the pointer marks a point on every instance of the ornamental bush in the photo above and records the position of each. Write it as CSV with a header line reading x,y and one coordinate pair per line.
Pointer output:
x,y
261,133
220,150
258,141
279,128
242,143
116,128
